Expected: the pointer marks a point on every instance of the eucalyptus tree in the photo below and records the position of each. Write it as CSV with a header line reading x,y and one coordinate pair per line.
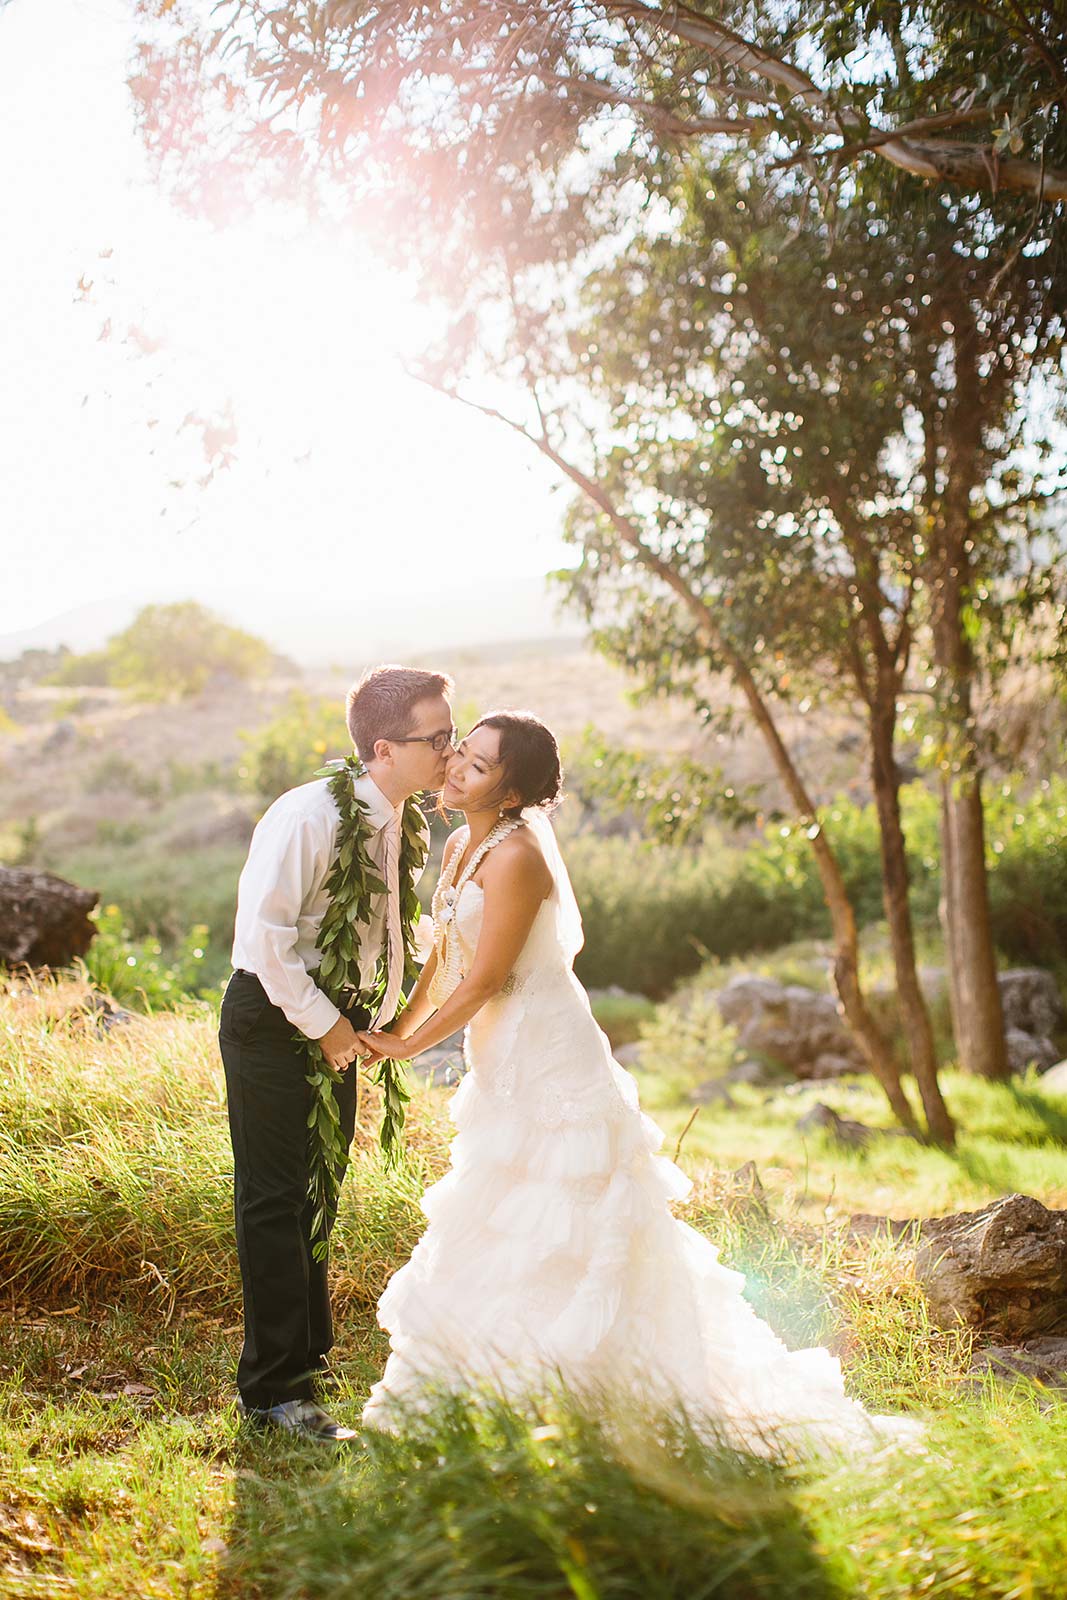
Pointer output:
x,y
968,95
506,141
760,396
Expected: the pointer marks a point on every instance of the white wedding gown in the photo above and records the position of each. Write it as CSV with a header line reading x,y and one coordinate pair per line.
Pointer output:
x,y
551,1252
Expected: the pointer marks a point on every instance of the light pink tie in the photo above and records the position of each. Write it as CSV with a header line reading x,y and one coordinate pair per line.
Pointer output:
x,y
394,937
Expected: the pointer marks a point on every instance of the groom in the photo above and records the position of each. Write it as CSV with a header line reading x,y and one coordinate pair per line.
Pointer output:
x,y
400,720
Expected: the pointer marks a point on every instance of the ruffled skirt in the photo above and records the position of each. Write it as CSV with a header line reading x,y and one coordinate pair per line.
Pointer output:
x,y
552,1256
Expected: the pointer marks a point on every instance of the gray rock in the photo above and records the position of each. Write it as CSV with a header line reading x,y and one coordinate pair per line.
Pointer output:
x,y
1025,1050
628,1055
443,1065
715,1091
830,1066
44,920
824,1118
1043,1361
1032,1002
744,998
1002,1269
62,736
747,1070
865,1225
789,1024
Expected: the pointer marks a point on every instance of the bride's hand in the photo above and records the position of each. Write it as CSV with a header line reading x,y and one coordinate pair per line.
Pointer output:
x,y
384,1046
368,1048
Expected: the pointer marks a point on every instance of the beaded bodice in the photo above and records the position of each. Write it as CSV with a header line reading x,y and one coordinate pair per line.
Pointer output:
x,y
449,971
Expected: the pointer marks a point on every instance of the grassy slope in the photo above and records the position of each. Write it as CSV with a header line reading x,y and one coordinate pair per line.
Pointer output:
x,y
124,1472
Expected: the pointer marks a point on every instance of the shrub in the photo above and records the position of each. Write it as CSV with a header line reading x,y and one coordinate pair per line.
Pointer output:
x,y
653,913
290,749
136,971
165,893
169,652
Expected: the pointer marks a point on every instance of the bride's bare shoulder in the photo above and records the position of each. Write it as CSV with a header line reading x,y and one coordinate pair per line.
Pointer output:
x,y
520,861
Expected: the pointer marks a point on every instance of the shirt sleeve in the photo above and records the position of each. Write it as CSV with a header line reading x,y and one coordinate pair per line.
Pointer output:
x,y
288,861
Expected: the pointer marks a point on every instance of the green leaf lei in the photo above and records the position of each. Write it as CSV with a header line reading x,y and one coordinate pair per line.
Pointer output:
x,y
352,882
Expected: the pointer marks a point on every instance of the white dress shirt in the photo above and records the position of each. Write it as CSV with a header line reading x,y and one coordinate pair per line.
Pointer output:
x,y
282,899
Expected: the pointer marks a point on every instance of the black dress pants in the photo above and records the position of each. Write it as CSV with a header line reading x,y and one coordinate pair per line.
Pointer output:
x,y
288,1325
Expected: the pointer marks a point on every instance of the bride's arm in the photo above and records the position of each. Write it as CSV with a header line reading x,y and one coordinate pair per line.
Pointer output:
x,y
516,881
419,1005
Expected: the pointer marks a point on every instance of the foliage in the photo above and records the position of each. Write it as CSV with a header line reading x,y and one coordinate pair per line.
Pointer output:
x,y
974,90
351,884
674,798
171,652
653,913
304,734
163,893
137,971
576,1505
20,843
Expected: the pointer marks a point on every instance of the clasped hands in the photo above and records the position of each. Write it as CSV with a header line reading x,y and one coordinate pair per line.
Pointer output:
x,y
343,1045
379,1047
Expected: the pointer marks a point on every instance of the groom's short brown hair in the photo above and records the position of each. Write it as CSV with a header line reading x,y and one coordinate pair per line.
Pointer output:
x,y
379,706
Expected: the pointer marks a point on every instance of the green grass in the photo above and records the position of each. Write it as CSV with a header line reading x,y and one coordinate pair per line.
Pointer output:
x,y
124,1471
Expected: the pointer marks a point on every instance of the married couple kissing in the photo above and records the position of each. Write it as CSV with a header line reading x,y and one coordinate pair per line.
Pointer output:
x,y
551,1253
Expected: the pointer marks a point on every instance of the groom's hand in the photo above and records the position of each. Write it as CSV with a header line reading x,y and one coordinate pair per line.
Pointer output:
x,y
341,1045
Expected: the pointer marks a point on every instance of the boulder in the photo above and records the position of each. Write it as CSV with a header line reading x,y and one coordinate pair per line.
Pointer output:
x,y
791,1025
1043,1361
759,1074
44,920
1032,1002
714,1091
829,1065
1028,1050
628,1055
1001,1270
843,1129
867,1225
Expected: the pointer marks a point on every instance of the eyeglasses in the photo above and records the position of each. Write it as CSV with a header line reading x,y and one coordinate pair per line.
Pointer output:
x,y
437,741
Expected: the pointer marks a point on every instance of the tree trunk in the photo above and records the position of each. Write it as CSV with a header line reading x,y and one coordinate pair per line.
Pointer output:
x,y
858,1014
977,1016
913,1009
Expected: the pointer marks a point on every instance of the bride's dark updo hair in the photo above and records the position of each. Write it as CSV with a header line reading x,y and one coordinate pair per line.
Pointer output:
x,y
529,757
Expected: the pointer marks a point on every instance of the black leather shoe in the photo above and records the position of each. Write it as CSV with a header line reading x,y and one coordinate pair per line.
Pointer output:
x,y
302,1418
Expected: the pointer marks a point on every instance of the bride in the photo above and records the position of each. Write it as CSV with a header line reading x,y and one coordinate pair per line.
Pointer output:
x,y
551,1252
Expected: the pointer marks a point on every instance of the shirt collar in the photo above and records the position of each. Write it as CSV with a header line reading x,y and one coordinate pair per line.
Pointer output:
x,y
380,811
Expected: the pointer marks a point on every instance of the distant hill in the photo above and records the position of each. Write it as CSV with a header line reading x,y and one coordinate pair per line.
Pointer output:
x,y
379,621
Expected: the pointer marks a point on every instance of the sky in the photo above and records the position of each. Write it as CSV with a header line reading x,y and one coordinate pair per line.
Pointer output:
x,y
123,317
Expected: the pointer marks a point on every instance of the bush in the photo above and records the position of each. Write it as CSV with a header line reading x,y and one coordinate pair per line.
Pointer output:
x,y
653,913
289,751
169,652
163,895
136,971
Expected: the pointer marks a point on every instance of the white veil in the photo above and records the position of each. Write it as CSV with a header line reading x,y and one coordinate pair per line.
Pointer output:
x,y
568,918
